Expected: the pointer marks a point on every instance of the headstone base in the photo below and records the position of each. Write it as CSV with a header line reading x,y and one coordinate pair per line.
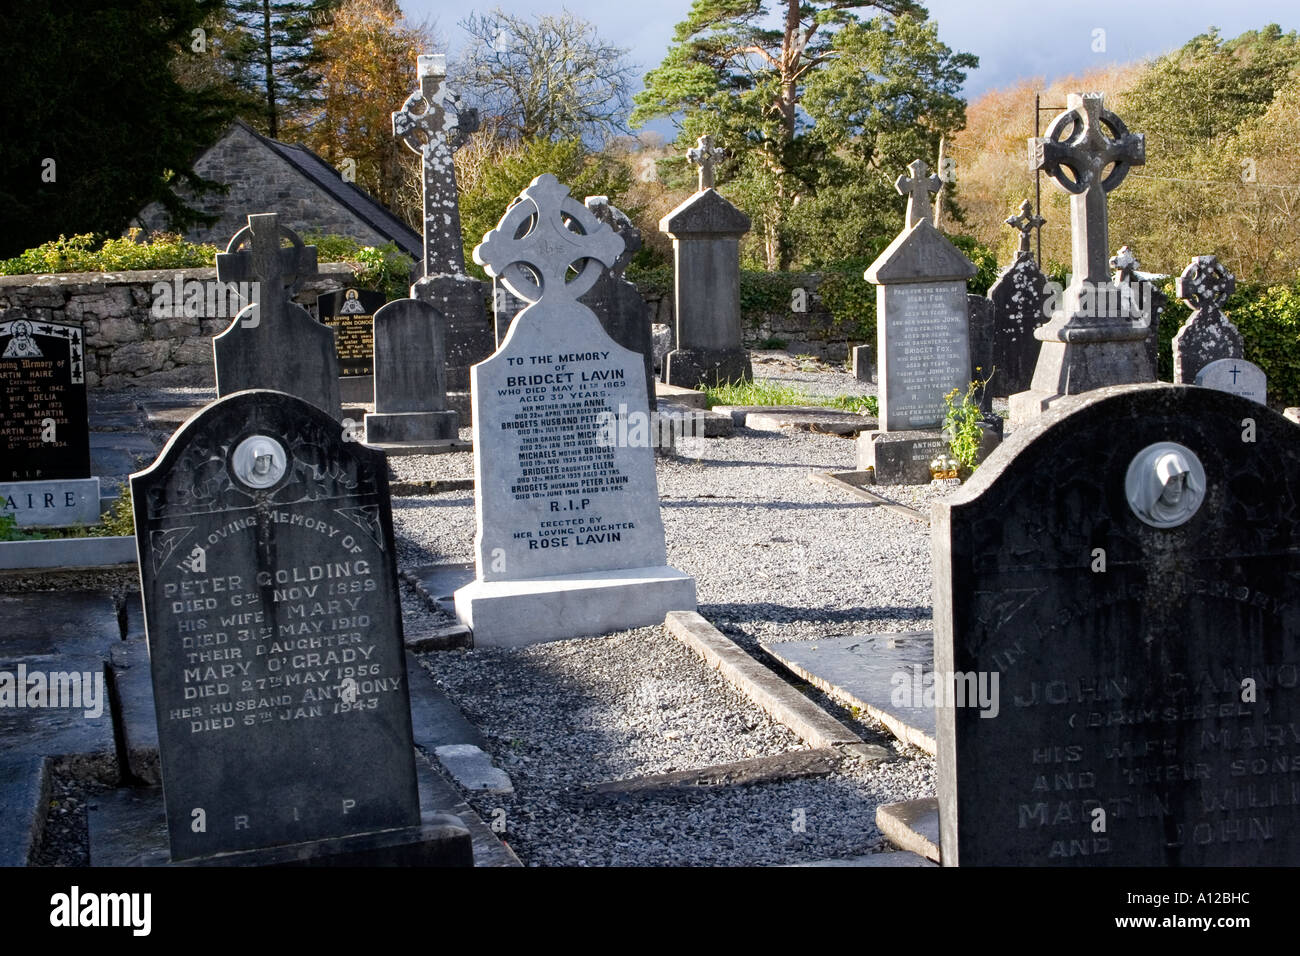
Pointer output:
x,y
1068,368
411,427
701,368
51,504
900,458
469,338
357,389
518,613
864,363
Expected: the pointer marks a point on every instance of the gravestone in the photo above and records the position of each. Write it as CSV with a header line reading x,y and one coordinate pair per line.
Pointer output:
x,y
269,581
1236,376
864,363
616,301
1019,298
1140,299
433,123
1115,586
410,380
44,432
570,542
273,342
351,314
923,339
706,232
1091,341
1207,335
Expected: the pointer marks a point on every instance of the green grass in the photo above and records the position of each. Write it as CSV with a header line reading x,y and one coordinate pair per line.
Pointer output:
x,y
767,392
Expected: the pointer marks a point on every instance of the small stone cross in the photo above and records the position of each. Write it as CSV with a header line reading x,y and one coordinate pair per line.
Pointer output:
x,y
1125,263
1086,139
255,255
1025,222
1205,284
917,189
704,155
432,123
559,232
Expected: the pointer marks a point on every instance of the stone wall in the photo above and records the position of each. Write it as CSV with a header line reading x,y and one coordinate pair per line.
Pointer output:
x,y
127,341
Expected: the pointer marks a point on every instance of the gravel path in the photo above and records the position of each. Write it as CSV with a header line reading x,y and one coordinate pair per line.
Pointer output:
x,y
776,558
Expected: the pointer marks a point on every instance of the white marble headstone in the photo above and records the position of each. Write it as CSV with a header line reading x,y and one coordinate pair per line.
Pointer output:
x,y
1236,376
563,486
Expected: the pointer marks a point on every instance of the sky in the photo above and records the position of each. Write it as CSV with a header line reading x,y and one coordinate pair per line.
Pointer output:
x,y
1014,39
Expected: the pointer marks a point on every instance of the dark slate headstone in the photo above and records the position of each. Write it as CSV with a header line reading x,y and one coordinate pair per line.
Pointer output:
x,y
44,431
275,635
617,303
351,314
274,343
1207,336
979,311
1019,298
410,377
1124,567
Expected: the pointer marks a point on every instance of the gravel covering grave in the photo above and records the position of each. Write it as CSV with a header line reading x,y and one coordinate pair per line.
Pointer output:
x,y
776,558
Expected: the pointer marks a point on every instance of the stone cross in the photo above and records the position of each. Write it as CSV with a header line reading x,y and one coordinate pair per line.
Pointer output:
x,y
1125,263
704,155
1025,222
1205,284
254,254
535,264
1086,139
432,123
917,189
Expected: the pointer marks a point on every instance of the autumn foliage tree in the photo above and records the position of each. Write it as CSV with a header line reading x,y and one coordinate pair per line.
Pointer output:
x,y
368,56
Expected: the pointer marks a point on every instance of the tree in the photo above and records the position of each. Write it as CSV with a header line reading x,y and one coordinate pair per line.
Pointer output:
x,y
273,57
367,70
814,104
73,158
491,172
553,78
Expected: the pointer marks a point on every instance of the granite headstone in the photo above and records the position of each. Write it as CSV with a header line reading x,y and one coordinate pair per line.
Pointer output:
x,y
1118,640
923,340
434,124
706,230
1019,298
1207,335
410,378
1089,342
268,575
44,432
274,343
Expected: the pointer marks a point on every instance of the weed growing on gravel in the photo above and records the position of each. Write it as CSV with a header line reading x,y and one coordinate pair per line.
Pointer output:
x,y
767,392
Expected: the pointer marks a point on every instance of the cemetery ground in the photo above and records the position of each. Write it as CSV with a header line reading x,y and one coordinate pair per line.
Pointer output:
x,y
779,559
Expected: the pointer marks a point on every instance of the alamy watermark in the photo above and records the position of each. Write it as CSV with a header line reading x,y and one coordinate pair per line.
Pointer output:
x,y
72,690
921,688
641,429
211,299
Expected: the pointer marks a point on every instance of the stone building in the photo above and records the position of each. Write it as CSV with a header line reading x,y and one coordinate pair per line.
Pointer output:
x,y
265,175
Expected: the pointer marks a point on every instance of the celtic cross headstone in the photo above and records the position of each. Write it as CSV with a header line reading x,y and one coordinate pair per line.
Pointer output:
x,y
1091,341
570,542
434,124
1207,335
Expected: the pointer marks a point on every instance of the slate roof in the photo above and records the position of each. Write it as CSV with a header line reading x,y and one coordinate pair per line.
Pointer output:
x,y
364,206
